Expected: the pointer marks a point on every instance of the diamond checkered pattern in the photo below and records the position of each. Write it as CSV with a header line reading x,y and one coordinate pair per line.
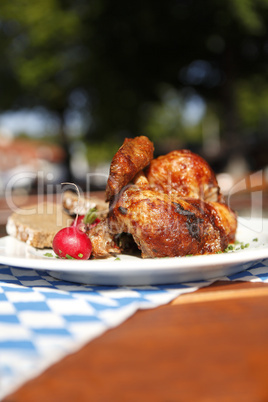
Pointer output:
x,y
43,319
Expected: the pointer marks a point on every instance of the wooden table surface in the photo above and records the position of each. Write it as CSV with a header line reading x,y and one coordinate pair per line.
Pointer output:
x,y
210,345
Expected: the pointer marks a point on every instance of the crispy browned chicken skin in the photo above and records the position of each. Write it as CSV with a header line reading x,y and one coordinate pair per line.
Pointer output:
x,y
185,174
174,208
134,155
165,225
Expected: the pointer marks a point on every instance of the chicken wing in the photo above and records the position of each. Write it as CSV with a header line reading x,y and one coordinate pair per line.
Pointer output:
x,y
134,155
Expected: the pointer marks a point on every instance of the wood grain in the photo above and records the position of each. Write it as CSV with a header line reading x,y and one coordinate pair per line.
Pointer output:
x,y
210,351
221,295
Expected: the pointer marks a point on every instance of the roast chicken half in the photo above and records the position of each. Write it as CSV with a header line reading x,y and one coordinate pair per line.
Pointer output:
x,y
169,206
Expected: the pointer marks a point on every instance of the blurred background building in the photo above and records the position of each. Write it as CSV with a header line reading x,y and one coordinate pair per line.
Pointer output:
x,y
77,77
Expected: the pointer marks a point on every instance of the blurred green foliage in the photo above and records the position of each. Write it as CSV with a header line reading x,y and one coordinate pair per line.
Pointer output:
x,y
110,60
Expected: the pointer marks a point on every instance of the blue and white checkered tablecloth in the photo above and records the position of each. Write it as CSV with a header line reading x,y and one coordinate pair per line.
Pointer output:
x,y
43,319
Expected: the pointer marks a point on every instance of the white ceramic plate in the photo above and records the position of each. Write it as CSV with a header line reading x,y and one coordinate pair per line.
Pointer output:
x,y
134,271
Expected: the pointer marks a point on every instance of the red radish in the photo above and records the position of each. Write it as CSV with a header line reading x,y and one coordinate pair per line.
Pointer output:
x,y
71,242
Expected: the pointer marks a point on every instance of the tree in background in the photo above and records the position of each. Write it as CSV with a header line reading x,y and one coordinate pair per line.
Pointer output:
x,y
112,60
215,49
41,42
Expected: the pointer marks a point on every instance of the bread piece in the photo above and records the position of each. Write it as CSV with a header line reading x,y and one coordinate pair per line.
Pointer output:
x,y
37,224
72,207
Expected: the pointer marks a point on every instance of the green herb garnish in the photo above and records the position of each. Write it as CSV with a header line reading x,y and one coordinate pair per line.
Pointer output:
x,y
230,247
48,255
240,246
91,216
69,257
80,255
